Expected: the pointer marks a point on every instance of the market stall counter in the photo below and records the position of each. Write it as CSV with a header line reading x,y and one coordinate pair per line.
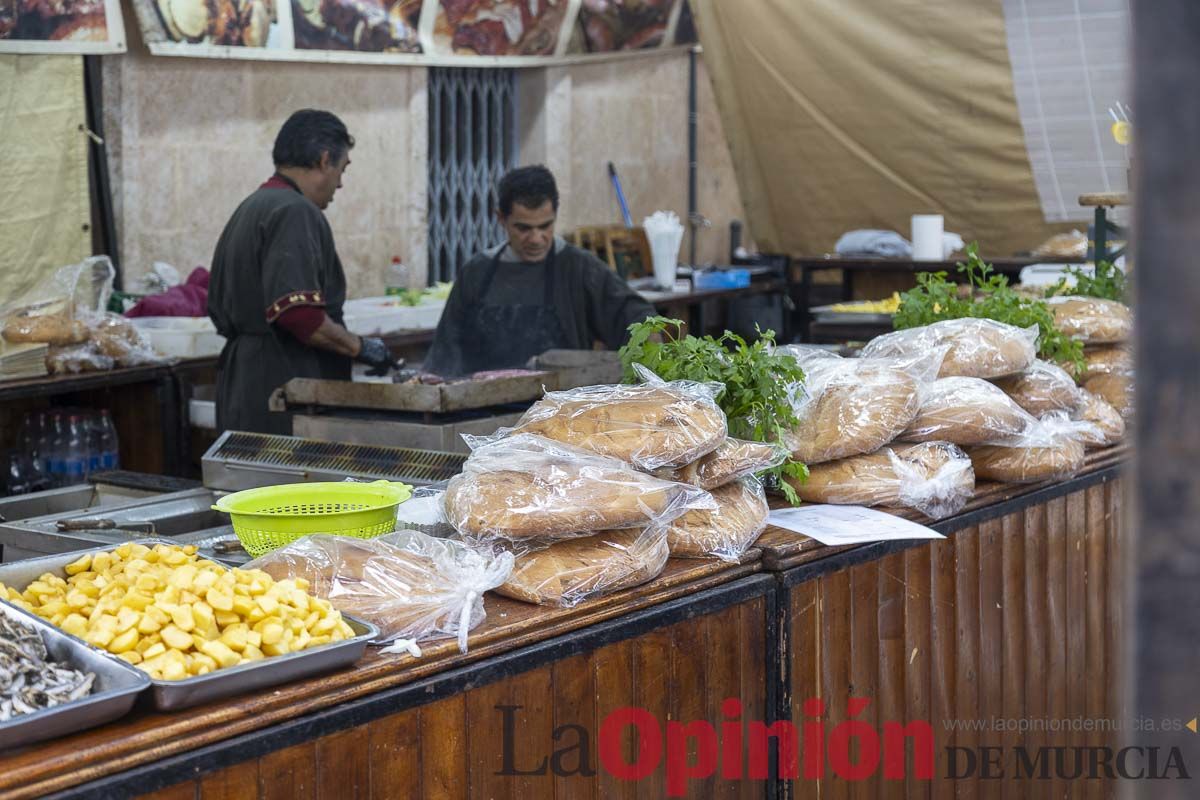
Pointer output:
x,y
395,726
1015,615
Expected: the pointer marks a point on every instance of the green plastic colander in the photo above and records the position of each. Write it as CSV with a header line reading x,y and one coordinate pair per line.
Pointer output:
x,y
273,516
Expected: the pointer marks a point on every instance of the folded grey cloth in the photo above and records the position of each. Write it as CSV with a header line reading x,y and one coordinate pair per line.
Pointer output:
x,y
887,244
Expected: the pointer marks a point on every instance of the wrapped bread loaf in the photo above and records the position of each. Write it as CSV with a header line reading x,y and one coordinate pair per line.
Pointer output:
x,y
978,348
1051,449
77,358
1092,320
649,425
1107,420
934,478
568,572
965,411
1116,389
1042,389
726,531
852,406
411,586
733,459
121,341
527,486
1107,360
53,324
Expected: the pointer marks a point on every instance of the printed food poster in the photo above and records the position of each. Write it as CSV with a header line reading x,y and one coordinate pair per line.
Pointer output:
x,y
212,23
499,27
610,25
61,26
370,26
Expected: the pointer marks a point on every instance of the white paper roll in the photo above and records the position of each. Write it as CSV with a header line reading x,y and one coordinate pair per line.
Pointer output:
x,y
927,237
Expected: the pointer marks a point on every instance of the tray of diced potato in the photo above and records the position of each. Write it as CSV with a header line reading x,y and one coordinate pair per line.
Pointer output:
x,y
201,630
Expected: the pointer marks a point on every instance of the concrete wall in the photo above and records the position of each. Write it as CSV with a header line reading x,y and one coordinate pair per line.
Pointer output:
x,y
188,139
577,118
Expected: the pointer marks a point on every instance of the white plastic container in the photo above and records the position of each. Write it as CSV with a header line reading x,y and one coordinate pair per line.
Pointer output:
x,y
927,237
181,337
373,316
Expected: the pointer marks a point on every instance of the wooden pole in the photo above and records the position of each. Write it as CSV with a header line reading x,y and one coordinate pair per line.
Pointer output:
x,y
1164,649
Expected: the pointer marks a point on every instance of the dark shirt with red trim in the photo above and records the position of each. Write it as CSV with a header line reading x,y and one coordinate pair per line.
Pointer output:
x,y
276,255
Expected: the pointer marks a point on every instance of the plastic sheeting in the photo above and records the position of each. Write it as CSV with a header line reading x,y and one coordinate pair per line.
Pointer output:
x,y
44,208
858,114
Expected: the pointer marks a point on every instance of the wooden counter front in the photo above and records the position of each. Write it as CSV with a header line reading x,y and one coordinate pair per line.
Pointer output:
x,y
147,751
1016,615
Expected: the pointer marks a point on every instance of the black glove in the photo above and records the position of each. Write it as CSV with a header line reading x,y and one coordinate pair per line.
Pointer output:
x,y
374,353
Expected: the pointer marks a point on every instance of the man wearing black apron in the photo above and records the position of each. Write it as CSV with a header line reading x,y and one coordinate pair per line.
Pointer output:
x,y
531,294
277,284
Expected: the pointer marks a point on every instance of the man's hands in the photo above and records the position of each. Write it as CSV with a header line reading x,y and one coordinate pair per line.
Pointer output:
x,y
374,353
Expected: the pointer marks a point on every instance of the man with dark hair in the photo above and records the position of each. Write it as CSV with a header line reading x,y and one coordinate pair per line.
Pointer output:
x,y
277,284
532,293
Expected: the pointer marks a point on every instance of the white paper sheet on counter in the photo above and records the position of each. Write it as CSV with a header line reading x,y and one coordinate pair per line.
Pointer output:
x,y
840,525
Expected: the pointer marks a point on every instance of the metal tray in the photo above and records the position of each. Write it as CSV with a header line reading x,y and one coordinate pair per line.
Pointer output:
x,y
115,689
173,695
826,315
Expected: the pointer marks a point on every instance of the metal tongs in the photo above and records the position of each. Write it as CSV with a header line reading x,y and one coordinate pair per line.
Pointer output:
x,y
104,524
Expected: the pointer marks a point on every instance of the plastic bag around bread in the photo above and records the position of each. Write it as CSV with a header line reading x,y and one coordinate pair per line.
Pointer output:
x,y
651,425
527,487
1091,320
1051,449
118,338
966,411
733,459
1113,359
51,310
1114,388
568,572
725,532
856,405
1108,421
979,348
77,358
935,478
1043,389
412,586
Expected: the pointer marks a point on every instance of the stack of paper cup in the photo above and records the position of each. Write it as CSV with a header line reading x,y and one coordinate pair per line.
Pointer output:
x,y
927,237
664,233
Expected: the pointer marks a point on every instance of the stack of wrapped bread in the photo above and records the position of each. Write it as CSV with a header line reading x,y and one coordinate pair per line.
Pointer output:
x,y
595,487
925,411
1105,328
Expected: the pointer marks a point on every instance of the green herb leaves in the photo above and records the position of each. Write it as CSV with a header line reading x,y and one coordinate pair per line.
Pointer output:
x,y
1108,283
936,299
758,383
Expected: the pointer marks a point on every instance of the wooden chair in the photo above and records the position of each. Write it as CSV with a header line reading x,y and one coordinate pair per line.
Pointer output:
x,y
625,250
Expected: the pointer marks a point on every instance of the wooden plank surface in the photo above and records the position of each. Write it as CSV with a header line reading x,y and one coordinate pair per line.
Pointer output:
x,y
343,769
395,755
144,737
231,783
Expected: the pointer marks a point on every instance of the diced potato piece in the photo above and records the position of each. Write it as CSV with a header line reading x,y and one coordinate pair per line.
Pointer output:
x,y
202,661
79,565
174,671
177,638
124,642
154,650
100,637
252,653
317,641
74,624
182,617
253,639
226,618
219,600
137,601
204,580
235,637
223,655
127,618
102,561
272,633
147,582
130,657
279,648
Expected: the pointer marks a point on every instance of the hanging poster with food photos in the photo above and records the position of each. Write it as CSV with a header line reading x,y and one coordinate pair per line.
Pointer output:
x,y
429,32
61,26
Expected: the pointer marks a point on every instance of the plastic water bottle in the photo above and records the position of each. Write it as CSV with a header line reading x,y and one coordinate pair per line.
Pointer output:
x,y
76,457
395,280
95,450
56,467
110,447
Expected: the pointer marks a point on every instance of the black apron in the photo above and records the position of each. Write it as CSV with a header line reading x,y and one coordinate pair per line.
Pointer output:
x,y
507,336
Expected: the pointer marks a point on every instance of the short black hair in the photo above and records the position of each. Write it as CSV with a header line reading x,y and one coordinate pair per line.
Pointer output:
x,y
306,135
529,186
